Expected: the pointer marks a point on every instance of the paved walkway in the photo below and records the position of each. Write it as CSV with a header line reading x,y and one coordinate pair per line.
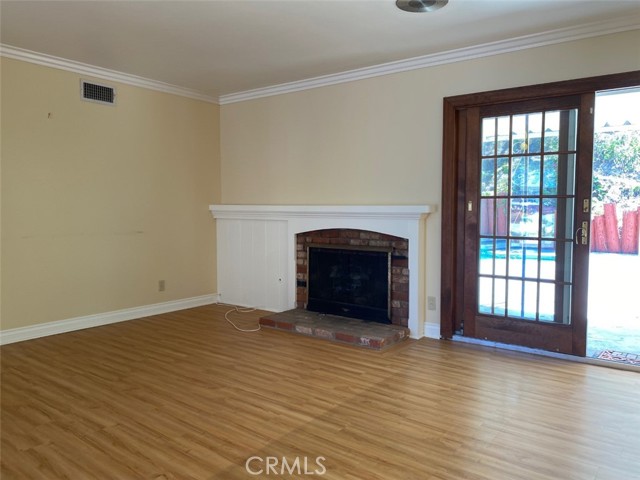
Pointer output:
x,y
614,303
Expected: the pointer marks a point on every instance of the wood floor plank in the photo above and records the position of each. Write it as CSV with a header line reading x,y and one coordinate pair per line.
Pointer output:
x,y
185,396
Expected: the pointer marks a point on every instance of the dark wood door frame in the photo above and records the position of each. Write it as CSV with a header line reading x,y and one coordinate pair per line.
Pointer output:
x,y
453,173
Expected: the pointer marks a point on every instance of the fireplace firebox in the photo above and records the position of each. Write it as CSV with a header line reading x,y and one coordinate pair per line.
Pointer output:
x,y
351,282
393,249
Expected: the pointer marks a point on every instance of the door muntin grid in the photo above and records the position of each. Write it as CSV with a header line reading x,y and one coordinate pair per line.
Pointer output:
x,y
526,219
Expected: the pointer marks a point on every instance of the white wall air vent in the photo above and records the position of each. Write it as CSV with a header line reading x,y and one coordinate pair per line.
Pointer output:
x,y
94,92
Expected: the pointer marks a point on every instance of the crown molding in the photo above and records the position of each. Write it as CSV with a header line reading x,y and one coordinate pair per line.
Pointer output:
x,y
451,56
101,73
550,37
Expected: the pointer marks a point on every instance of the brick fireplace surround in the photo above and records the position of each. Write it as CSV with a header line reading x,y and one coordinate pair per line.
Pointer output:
x,y
346,237
257,256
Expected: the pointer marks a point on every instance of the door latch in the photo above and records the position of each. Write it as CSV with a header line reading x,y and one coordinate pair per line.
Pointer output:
x,y
582,234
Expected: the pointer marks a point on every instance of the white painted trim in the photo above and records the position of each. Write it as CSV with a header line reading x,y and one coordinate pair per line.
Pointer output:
x,y
551,37
432,330
101,73
78,323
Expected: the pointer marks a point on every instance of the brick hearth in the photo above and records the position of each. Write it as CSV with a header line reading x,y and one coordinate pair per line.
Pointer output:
x,y
373,335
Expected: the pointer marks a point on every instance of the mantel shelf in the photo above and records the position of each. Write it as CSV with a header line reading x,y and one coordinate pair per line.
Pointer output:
x,y
397,212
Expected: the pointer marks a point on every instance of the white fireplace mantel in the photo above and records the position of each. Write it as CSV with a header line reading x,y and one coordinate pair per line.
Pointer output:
x,y
395,212
256,248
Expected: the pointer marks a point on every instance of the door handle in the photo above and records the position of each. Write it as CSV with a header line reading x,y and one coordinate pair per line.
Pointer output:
x,y
582,234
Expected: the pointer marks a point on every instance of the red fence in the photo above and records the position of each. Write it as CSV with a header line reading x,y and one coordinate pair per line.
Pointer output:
x,y
608,238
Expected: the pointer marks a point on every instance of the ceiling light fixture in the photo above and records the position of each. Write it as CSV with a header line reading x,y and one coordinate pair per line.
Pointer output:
x,y
420,6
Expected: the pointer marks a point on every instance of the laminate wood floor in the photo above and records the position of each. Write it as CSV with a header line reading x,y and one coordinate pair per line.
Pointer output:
x,y
185,396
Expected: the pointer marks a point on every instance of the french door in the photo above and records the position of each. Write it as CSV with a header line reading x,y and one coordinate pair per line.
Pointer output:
x,y
516,190
526,222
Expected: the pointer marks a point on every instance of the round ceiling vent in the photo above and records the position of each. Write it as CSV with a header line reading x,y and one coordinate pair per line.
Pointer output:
x,y
419,6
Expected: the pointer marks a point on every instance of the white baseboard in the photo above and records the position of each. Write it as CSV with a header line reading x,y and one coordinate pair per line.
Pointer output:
x,y
432,330
78,323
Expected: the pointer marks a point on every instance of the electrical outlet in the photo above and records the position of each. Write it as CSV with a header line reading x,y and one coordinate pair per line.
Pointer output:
x,y
161,286
431,303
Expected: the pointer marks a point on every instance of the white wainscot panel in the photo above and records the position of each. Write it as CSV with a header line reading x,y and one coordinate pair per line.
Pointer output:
x,y
252,263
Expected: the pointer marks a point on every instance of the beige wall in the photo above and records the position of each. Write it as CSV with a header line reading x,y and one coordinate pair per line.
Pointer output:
x,y
99,203
378,141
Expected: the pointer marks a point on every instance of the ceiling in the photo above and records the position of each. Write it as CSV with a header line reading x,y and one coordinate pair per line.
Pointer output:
x,y
221,47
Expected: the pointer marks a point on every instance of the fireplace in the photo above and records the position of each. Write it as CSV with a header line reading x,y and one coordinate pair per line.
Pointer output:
x,y
262,253
351,282
353,273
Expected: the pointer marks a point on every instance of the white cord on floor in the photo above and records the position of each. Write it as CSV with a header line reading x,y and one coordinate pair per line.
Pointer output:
x,y
240,310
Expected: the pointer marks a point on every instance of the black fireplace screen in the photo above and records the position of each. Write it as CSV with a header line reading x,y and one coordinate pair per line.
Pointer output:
x,y
350,283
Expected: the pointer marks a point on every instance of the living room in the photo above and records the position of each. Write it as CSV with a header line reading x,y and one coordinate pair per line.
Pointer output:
x,y
107,217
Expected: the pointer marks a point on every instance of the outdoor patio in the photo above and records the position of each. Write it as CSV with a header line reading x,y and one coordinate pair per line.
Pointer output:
x,y
614,304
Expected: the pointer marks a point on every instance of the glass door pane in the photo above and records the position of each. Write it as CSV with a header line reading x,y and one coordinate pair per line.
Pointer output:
x,y
526,219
